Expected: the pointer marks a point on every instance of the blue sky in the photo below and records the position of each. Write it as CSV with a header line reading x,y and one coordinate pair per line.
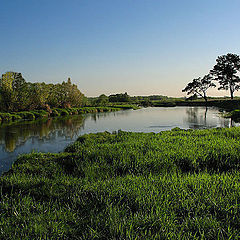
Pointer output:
x,y
109,46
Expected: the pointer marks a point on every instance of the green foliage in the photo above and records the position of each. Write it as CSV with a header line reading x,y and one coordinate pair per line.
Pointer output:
x,y
172,185
55,113
65,95
26,115
126,106
16,94
226,72
40,114
164,104
235,115
15,117
102,100
38,93
6,91
62,112
6,117
122,97
200,86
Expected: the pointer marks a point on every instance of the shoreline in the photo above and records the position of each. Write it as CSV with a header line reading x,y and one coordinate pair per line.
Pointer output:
x,y
57,112
228,105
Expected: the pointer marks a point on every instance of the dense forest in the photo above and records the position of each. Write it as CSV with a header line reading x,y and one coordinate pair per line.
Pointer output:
x,y
16,94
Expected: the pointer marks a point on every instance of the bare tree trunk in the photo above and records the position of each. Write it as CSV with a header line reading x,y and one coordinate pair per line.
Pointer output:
x,y
231,91
205,98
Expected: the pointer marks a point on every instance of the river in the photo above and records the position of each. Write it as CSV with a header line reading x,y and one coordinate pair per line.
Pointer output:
x,y
53,135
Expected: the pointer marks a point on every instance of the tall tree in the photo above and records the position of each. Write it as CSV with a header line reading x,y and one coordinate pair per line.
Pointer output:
x,y
13,91
20,92
6,91
200,86
225,72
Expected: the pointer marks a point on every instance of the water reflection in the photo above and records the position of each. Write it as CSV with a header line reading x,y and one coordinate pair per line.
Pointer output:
x,y
199,118
16,134
150,119
53,135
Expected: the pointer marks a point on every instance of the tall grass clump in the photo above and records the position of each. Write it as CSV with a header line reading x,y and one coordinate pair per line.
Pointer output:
x,y
179,184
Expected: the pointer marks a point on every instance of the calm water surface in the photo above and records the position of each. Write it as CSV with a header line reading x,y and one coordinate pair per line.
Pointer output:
x,y
53,135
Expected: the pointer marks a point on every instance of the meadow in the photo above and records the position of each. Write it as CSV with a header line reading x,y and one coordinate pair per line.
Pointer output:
x,y
178,184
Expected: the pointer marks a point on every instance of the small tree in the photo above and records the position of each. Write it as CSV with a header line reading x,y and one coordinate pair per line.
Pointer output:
x,y
200,86
225,72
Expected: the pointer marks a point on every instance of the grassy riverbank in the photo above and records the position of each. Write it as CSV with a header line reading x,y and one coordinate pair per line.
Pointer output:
x,y
56,112
226,104
172,185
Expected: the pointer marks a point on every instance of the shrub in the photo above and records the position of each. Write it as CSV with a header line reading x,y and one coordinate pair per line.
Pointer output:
x,y
6,117
40,114
55,113
62,111
26,115
16,117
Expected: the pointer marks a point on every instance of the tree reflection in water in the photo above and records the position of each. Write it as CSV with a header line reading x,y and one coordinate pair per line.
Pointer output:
x,y
198,118
53,135
15,134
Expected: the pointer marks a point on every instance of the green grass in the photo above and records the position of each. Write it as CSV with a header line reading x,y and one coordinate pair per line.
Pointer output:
x,y
56,112
179,184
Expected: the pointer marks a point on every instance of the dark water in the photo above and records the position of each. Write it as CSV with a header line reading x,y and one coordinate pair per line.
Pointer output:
x,y
53,135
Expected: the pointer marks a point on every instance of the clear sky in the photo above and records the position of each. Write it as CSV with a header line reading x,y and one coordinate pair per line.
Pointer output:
x,y
142,47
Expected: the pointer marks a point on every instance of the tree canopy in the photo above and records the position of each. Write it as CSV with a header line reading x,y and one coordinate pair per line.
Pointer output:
x,y
200,86
225,72
16,94
120,97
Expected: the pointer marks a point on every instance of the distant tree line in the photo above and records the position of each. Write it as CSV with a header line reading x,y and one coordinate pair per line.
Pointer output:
x,y
122,98
16,94
225,73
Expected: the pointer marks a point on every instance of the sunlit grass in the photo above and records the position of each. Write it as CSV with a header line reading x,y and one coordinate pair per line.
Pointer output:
x,y
172,185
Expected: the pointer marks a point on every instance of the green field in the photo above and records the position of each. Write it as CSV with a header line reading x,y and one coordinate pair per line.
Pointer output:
x,y
179,184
